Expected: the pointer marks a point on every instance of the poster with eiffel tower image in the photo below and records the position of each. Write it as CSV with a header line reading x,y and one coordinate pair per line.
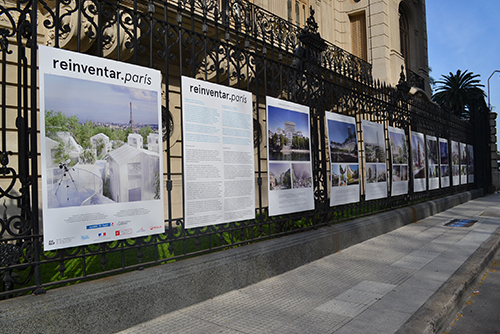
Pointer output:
x,y
101,149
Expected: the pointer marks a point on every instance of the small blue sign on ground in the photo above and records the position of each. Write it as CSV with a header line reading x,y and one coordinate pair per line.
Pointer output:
x,y
461,223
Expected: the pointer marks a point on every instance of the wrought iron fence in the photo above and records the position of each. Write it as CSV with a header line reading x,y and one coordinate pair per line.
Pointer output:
x,y
229,42
415,80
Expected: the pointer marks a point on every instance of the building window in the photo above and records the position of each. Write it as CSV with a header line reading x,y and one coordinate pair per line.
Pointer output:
x,y
294,11
404,36
358,36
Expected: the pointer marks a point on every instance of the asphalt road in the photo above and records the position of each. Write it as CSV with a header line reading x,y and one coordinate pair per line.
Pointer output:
x,y
481,314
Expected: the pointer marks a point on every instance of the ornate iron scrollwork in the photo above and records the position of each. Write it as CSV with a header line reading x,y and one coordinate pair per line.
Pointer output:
x,y
230,42
167,123
257,134
9,254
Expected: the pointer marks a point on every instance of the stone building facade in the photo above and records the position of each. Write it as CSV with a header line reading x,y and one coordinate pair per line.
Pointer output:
x,y
386,33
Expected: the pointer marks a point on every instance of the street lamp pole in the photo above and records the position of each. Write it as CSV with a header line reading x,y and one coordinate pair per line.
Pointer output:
x,y
489,104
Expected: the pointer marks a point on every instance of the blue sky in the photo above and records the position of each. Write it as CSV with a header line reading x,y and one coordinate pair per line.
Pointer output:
x,y
337,130
95,101
372,133
278,116
465,35
397,138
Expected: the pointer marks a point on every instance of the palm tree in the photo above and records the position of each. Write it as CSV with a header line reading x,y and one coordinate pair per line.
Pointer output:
x,y
459,93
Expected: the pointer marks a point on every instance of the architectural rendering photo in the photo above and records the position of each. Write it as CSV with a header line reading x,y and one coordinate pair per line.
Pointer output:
x,y
288,135
374,144
343,141
100,152
344,175
432,151
399,148
418,155
279,176
301,175
443,153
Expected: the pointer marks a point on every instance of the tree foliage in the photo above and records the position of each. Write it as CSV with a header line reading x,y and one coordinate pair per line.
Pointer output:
x,y
81,132
145,131
301,143
460,93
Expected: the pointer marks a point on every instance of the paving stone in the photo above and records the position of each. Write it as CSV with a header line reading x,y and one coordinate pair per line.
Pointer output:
x,y
406,299
315,322
416,260
342,307
375,322
372,287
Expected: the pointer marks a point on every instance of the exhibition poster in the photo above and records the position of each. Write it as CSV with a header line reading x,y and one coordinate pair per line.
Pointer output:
x,y
290,182
344,159
463,163
433,161
101,149
218,154
455,163
375,160
399,156
470,166
418,161
444,162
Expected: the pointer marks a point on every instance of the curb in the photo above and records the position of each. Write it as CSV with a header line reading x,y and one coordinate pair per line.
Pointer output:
x,y
136,297
438,312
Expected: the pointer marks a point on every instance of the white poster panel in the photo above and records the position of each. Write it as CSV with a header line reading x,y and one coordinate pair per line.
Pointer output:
x,y
444,162
375,160
219,179
418,161
463,163
399,156
470,166
433,161
455,163
290,182
344,159
102,173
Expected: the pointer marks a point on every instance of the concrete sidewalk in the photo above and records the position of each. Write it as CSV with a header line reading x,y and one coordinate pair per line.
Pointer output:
x,y
411,280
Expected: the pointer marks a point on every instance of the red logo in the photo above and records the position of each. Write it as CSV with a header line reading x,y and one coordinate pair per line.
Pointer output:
x,y
154,227
122,232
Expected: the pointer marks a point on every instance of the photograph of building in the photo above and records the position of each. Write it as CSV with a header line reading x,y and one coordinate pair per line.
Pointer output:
x,y
381,173
455,153
443,152
343,142
371,173
374,143
399,148
432,150
418,155
463,154
279,176
301,175
404,173
345,175
288,135
445,170
86,167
